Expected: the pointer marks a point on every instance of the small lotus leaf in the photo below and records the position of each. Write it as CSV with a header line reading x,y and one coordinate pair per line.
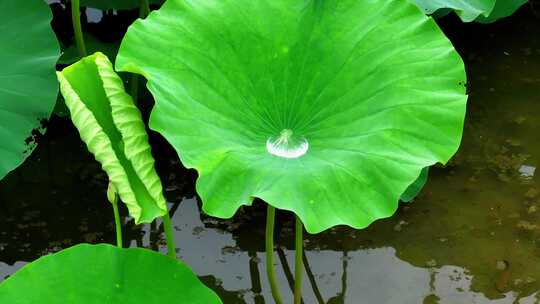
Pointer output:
x,y
112,128
98,274
28,88
327,108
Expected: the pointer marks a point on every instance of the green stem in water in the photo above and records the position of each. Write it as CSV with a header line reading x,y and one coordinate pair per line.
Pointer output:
x,y
117,223
298,265
77,29
270,218
169,236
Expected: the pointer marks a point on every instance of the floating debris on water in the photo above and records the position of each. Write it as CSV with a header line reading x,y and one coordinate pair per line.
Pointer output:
x,y
399,226
526,171
431,263
525,225
502,265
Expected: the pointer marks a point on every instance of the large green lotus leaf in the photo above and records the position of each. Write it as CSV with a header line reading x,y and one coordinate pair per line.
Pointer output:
x,y
327,108
115,4
28,88
99,274
112,128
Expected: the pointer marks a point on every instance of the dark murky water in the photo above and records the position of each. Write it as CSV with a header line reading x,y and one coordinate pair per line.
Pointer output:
x,y
472,236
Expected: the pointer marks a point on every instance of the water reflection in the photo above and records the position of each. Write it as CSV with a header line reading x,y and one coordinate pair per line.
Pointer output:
x,y
372,275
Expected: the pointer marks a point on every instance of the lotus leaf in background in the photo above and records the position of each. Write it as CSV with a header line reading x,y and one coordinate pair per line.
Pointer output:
x,y
97,274
330,109
484,11
468,10
28,88
116,4
502,9
112,128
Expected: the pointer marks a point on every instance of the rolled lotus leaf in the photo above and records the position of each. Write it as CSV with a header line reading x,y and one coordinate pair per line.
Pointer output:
x,y
28,87
112,128
484,11
98,274
329,109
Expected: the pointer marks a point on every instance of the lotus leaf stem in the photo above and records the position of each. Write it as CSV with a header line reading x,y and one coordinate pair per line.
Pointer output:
x,y
117,223
270,218
144,8
77,29
113,198
135,88
169,236
298,263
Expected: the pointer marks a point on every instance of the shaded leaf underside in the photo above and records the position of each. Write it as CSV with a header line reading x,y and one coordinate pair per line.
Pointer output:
x,y
470,10
415,188
503,8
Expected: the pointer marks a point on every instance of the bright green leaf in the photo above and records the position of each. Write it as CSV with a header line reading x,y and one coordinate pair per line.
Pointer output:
x,y
112,128
28,88
98,274
327,108
116,4
415,188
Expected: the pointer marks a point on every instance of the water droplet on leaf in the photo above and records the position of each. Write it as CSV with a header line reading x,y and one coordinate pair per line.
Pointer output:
x,y
287,145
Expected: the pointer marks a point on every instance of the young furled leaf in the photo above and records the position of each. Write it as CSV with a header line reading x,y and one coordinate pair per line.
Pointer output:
x,y
112,128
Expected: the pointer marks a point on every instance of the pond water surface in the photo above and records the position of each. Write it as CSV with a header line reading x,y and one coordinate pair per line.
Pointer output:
x,y
472,235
